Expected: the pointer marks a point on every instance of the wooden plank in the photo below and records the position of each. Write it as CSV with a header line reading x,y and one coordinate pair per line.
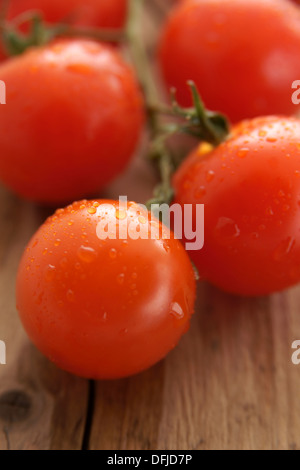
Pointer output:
x,y
230,384
40,406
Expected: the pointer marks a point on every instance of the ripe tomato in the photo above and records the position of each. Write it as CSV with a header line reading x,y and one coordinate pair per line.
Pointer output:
x,y
104,308
239,73
250,186
102,13
73,117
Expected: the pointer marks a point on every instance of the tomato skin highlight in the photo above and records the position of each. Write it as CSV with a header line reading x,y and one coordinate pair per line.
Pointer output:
x,y
73,118
241,74
250,186
103,309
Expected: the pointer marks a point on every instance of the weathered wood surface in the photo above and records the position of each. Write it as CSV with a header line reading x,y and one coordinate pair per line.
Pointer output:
x,y
230,384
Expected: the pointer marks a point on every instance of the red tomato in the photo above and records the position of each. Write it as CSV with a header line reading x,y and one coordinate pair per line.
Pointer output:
x,y
73,117
250,186
102,13
240,73
104,308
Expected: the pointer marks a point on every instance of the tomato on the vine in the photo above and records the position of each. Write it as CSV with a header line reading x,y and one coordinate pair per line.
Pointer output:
x,y
104,307
250,186
98,13
73,118
241,74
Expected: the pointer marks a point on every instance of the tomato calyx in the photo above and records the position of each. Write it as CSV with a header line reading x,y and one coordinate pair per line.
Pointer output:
x,y
207,126
41,33
16,42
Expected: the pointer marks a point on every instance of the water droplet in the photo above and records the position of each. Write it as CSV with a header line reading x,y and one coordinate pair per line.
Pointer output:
x,y
283,249
269,211
124,331
210,176
50,272
71,222
121,214
255,235
96,204
134,275
242,153
57,242
142,220
63,262
176,310
272,139
104,317
297,173
200,192
45,251
92,210
86,254
226,228
133,286
121,278
262,133
113,253
70,296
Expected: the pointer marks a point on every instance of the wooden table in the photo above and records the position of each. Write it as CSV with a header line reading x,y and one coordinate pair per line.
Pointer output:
x,y
230,384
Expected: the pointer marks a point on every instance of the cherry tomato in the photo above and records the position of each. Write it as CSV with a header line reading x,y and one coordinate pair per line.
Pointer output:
x,y
243,55
102,13
104,308
250,186
73,117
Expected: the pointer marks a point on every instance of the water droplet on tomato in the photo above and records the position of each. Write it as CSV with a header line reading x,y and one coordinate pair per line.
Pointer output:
x,y
200,192
176,311
210,176
104,317
226,228
70,296
113,253
121,214
242,153
86,254
50,273
142,220
283,249
121,278
92,210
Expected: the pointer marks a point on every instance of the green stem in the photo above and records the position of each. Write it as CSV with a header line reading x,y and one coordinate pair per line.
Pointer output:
x,y
159,151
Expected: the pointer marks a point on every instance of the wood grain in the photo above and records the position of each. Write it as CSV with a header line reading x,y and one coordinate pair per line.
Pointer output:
x,y
230,383
40,406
